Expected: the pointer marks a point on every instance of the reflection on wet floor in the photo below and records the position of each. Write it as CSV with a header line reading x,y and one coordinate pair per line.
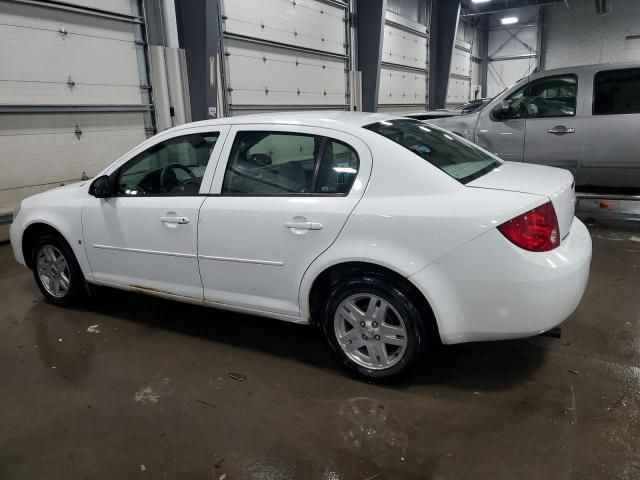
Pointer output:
x,y
137,386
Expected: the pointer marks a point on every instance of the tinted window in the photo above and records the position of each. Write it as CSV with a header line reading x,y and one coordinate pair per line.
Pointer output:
x,y
277,163
547,97
616,92
456,158
173,167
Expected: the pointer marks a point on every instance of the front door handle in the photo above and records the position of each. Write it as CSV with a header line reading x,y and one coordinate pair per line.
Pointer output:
x,y
561,130
178,220
304,225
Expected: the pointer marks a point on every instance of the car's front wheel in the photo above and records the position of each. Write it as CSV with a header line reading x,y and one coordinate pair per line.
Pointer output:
x,y
57,272
374,328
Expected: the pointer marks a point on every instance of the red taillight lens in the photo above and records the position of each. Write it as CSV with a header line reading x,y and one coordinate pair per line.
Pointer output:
x,y
536,230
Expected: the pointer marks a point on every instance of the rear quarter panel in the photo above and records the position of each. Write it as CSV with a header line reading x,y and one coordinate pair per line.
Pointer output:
x,y
411,215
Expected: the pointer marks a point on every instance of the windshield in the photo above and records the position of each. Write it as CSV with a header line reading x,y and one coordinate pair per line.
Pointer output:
x,y
456,158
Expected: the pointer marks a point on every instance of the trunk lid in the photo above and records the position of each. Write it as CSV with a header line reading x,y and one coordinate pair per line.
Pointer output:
x,y
554,183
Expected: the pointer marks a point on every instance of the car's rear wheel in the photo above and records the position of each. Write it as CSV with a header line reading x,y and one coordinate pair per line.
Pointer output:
x,y
57,272
374,328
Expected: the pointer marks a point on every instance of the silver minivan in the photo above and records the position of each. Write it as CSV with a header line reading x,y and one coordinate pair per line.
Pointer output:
x,y
585,119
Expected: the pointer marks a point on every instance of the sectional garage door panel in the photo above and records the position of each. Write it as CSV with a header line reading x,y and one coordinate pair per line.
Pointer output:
x,y
115,6
303,23
405,61
54,61
398,87
283,55
46,149
48,67
263,75
404,48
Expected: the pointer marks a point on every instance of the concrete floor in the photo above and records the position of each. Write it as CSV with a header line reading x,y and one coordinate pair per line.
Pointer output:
x,y
150,395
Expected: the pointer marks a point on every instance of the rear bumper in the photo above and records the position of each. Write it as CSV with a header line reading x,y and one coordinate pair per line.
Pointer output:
x,y
490,289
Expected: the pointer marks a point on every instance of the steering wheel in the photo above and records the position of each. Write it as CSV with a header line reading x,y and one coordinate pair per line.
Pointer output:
x,y
166,182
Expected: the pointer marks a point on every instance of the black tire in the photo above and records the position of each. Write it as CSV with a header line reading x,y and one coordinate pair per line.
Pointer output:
x,y
77,290
416,326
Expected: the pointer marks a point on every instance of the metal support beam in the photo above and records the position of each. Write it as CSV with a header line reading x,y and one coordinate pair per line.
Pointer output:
x,y
540,41
370,33
483,26
444,24
199,34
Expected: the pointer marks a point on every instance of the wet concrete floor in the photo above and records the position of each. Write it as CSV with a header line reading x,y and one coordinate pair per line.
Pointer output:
x,y
146,393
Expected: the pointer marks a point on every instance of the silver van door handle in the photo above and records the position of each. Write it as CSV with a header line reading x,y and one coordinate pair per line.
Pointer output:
x,y
304,225
561,130
178,220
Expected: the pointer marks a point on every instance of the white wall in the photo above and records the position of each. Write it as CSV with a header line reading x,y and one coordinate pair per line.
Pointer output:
x,y
501,74
580,36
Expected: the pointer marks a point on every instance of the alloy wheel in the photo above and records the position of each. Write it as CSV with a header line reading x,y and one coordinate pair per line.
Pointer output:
x,y
370,331
53,271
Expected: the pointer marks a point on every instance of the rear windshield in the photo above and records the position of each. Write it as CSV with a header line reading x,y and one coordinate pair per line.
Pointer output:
x,y
442,149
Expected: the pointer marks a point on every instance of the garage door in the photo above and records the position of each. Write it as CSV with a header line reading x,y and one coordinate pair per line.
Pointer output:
x,y
459,88
284,55
405,60
73,91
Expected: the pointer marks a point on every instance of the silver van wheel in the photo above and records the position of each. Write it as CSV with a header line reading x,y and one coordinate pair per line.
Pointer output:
x,y
53,271
370,331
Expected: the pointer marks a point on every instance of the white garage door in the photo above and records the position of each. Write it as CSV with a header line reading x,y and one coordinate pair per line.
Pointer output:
x,y
284,54
70,92
405,60
459,88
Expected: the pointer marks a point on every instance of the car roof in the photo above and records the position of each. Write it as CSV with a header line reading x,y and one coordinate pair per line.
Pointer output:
x,y
338,120
590,68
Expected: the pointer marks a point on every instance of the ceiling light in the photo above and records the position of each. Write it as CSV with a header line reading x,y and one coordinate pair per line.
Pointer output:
x,y
509,20
480,1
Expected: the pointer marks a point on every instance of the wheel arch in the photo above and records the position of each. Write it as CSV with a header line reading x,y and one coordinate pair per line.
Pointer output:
x,y
331,274
30,235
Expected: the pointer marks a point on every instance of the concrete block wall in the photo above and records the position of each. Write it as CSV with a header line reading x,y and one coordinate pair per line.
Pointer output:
x,y
580,36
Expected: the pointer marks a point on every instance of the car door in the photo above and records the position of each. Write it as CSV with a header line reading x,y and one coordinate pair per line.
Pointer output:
x,y
280,196
610,142
551,108
145,234
502,136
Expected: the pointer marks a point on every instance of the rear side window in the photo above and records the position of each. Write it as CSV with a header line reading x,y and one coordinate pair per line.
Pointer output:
x,y
264,163
444,150
616,92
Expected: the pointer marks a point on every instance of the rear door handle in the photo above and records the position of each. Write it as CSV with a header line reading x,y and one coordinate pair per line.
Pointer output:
x,y
561,130
178,220
304,225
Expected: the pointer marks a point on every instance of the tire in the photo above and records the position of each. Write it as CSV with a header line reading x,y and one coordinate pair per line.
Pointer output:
x,y
368,355
71,285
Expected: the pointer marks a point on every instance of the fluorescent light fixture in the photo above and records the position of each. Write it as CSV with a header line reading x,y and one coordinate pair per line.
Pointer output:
x,y
509,20
480,1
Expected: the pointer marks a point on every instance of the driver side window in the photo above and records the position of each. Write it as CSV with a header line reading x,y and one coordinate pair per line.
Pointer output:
x,y
170,168
544,98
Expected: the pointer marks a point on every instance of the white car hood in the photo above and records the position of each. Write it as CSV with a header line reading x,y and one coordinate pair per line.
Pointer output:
x,y
554,183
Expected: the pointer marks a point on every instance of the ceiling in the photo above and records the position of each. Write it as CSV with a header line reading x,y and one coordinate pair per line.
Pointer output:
x,y
499,5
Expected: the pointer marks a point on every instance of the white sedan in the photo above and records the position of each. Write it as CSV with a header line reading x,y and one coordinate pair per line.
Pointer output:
x,y
385,232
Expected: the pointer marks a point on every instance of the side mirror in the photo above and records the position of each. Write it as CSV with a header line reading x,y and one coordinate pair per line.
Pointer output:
x,y
501,110
101,187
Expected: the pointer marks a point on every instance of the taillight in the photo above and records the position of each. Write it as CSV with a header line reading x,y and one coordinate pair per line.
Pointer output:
x,y
536,230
